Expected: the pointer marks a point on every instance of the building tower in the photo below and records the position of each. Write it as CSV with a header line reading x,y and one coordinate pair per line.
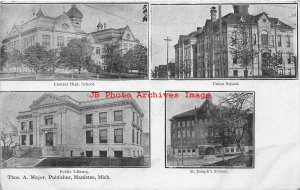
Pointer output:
x,y
75,15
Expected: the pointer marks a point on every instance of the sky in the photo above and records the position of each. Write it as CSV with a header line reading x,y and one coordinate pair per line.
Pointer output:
x,y
13,102
115,16
176,106
174,20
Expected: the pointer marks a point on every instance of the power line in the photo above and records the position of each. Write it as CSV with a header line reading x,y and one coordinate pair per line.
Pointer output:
x,y
131,20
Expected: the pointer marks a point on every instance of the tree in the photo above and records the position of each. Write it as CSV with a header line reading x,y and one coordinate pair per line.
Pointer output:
x,y
136,58
113,58
14,59
232,115
77,54
53,60
3,56
242,46
38,58
9,134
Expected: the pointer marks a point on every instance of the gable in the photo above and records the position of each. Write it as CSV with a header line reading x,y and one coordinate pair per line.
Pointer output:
x,y
46,99
14,31
63,23
127,35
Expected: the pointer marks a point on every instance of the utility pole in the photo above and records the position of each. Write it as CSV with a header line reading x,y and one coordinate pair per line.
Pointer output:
x,y
168,40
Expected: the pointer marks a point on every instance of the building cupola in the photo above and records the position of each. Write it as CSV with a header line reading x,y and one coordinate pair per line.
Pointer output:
x,y
75,15
241,9
213,13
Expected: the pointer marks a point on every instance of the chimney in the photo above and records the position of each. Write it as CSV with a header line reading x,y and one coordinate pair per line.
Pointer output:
x,y
199,29
213,13
241,9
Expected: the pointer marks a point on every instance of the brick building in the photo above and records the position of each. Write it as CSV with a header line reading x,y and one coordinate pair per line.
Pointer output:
x,y
269,37
63,127
55,32
195,133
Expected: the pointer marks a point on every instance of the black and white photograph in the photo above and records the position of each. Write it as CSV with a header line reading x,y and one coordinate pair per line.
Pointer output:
x,y
74,129
224,41
73,41
210,129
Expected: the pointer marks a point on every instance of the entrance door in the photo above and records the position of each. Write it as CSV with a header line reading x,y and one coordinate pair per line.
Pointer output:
x,y
49,139
210,151
265,63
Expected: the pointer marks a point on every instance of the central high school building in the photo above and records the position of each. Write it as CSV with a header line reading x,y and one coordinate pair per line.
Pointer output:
x,y
60,126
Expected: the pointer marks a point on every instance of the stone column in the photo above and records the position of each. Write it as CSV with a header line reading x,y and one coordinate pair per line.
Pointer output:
x,y
38,133
63,126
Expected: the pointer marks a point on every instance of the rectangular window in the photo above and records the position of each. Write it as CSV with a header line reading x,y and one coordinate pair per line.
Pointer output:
x,y
98,51
133,117
103,117
193,123
60,41
132,135
289,71
226,149
137,137
280,72
103,136
183,123
289,59
193,133
288,41
89,118
45,40
254,39
89,137
48,120
89,153
234,60
188,124
273,43
235,73
118,115
118,136
183,134
22,125
30,124
31,139
188,134
118,154
140,138
193,152
179,124
103,154
23,140
179,134
231,149
264,39
279,41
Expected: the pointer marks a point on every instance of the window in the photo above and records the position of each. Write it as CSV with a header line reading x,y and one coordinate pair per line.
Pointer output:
x,y
118,115
89,153
188,134
289,59
137,137
273,42
178,123
234,60
231,149
30,124
226,149
193,123
65,26
193,133
280,72
22,125
264,38
118,136
279,41
288,41
254,39
89,118
235,73
179,134
133,117
130,46
103,117
89,137
183,134
49,120
31,139
98,51
103,154
60,41
188,123
45,40
183,123
23,139
118,154
132,135
140,138
103,136
289,71
125,47
133,153
188,152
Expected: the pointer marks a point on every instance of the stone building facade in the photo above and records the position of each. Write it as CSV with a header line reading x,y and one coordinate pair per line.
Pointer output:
x,y
63,127
194,133
55,32
269,37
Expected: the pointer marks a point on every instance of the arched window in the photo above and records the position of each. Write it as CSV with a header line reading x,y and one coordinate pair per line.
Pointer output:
x,y
264,38
65,26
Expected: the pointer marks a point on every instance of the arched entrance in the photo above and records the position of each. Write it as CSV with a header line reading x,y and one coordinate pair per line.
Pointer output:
x,y
210,151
